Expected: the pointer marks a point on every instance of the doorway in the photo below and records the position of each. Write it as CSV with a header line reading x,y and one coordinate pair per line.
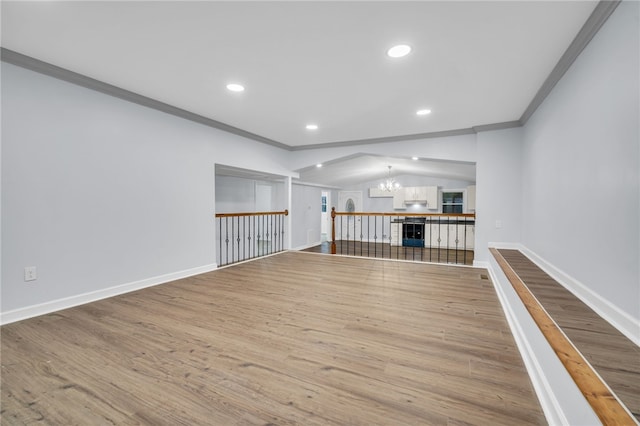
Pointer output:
x,y
325,217
350,226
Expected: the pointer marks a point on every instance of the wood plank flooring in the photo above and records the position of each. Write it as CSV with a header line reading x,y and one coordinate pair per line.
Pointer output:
x,y
295,338
387,251
615,358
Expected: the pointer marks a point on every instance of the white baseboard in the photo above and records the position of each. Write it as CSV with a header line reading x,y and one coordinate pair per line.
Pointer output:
x,y
618,318
560,399
80,299
508,246
547,399
481,264
306,246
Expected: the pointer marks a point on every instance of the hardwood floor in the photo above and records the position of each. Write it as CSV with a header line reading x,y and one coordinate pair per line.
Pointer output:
x,y
614,357
295,338
387,251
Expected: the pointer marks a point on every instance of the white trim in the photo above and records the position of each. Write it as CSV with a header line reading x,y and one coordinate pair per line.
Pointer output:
x,y
548,401
618,318
481,264
561,400
315,185
508,246
306,246
80,299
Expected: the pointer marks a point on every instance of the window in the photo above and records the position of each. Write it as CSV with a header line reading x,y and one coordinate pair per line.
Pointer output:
x,y
324,204
452,202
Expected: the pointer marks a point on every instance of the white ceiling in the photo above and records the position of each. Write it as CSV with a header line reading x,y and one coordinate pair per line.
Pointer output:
x,y
473,63
355,169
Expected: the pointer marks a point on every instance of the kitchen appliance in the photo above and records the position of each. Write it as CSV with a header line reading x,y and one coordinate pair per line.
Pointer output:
x,y
413,232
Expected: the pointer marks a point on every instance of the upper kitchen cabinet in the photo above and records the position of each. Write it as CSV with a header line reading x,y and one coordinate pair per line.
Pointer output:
x,y
471,199
422,195
380,193
398,199
415,195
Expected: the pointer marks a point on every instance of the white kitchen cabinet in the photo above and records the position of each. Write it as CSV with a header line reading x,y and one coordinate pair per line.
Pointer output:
x,y
398,199
379,193
422,195
444,235
454,236
432,197
396,234
415,194
437,235
461,236
471,198
470,237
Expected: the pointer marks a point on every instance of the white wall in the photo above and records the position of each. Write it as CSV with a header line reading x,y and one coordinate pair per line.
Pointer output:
x,y
385,204
98,192
240,195
498,189
455,148
581,203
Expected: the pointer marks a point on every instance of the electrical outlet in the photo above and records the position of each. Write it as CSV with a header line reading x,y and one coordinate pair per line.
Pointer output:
x,y
30,273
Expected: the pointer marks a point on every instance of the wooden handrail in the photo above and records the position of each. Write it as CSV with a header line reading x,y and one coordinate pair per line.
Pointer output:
x,y
334,213
401,214
285,212
605,404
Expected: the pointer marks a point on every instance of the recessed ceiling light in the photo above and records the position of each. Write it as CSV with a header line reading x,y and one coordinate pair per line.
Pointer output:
x,y
319,165
423,112
312,127
399,51
414,158
235,87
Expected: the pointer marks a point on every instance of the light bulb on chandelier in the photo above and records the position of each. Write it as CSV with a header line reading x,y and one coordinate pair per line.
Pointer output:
x,y
390,183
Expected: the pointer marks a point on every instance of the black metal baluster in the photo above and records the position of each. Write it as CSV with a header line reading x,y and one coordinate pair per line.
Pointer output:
x,y
448,236
464,246
238,239
341,237
375,236
273,234
399,237
439,237
282,219
430,238
248,236
233,239
457,239
244,232
384,235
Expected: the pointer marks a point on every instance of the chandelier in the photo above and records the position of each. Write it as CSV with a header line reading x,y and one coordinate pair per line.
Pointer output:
x,y
390,183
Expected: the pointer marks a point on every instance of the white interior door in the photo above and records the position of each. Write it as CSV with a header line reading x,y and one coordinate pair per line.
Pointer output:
x,y
350,226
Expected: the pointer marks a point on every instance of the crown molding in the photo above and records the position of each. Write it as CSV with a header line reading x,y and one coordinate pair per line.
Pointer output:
x,y
33,64
598,17
54,71
399,138
497,126
595,21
